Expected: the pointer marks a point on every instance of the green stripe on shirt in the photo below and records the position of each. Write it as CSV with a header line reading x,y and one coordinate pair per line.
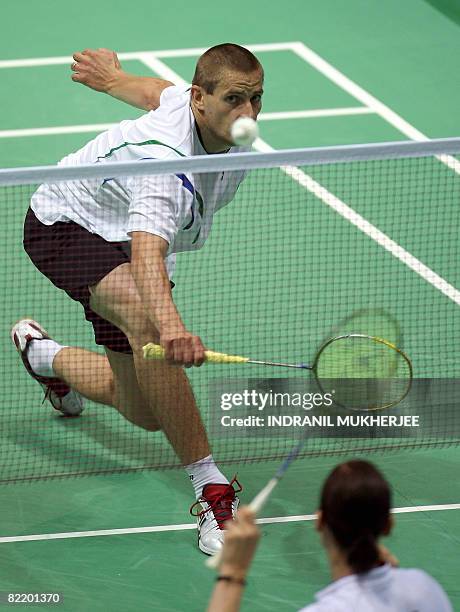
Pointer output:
x,y
140,144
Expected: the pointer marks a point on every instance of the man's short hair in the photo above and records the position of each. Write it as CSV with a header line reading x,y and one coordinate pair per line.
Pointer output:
x,y
216,60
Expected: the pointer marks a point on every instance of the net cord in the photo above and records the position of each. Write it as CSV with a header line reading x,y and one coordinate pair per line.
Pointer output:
x,y
232,161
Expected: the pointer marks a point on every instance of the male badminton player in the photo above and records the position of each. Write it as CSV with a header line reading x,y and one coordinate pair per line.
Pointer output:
x,y
111,245
354,513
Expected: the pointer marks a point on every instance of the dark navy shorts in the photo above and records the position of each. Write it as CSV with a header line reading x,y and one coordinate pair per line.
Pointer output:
x,y
73,259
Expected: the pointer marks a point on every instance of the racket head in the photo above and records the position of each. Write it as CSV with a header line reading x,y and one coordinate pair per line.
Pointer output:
x,y
363,372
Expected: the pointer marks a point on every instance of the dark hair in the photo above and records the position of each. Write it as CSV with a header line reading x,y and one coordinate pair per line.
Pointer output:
x,y
355,504
226,56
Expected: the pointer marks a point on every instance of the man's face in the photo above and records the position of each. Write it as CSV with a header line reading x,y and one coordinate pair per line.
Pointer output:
x,y
238,94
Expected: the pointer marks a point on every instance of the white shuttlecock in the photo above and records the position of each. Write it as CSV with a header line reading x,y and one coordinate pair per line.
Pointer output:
x,y
244,131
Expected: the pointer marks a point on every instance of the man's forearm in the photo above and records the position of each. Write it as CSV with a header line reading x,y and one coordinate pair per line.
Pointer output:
x,y
153,284
142,92
148,252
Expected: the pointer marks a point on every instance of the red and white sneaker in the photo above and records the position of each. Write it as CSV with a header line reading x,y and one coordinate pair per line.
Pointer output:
x,y
218,504
58,392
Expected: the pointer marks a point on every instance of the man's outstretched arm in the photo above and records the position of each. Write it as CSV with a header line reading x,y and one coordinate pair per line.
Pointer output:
x,y
101,70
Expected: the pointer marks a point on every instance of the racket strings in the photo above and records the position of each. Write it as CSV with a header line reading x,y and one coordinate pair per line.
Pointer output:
x,y
363,372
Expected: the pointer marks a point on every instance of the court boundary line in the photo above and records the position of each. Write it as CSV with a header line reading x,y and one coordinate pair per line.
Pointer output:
x,y
271,116
367,228
136,55
191,526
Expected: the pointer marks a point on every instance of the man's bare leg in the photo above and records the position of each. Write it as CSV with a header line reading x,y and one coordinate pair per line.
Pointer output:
x,y
165,388
171,400
87,372
109,380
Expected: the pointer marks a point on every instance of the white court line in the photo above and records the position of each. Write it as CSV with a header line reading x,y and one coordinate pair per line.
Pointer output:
x,y
189,526
314,113
137,55
366,227
158,67
53,131
367,99
257,48
100,127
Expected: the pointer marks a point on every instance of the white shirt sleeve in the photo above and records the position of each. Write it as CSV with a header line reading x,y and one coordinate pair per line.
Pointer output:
x,y
155,206
173,91
431,594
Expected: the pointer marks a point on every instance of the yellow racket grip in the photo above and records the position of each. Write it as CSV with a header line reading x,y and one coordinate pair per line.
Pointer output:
x,y
155,351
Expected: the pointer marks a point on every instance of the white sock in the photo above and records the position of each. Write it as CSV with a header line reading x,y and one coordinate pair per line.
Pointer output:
x,y
203,472
41,354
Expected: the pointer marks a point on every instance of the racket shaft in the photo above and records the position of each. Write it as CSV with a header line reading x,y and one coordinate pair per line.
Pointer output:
x,y
261,498
290,458
301,366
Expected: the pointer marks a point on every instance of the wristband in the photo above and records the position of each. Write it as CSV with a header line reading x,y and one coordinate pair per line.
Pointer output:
x,y
240,581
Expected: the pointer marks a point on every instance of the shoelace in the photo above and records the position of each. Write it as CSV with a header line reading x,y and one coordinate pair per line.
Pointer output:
x,y
56,386
57,398
47,395
221,506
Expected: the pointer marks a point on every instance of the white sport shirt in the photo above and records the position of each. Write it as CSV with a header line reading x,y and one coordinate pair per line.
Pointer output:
x,y
179,208
383,589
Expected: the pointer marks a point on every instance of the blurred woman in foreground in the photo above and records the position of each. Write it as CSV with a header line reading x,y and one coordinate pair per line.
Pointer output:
x,y
354,513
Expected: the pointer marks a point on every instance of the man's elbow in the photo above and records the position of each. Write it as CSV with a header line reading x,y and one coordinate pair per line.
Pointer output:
x,y
150,104
153,94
